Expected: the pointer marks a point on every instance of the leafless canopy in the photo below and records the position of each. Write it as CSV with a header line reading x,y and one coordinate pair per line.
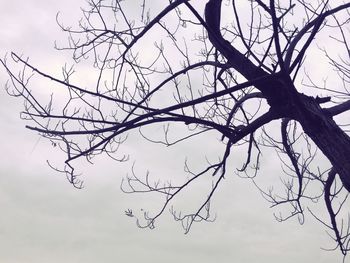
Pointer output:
x,y
251,72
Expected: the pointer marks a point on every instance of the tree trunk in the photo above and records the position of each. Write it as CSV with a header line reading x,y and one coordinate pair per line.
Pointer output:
x,y
328,136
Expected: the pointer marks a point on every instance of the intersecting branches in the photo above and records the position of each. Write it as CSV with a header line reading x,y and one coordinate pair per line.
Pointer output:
x,y
221,73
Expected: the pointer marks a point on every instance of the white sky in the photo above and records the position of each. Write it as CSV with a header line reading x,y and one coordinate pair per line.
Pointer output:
x,y
44,219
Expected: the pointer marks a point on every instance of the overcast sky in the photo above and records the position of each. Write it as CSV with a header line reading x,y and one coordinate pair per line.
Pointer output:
x,y
44,219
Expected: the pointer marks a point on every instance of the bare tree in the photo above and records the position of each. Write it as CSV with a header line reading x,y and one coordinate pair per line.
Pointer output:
x,y
245,72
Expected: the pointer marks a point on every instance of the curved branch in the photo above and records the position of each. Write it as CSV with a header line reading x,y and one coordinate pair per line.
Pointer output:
x,y
239,103
332,215
292,156
316,23
235,58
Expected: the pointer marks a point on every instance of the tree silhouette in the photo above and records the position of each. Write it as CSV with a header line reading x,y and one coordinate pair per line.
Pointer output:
x,y
246,71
